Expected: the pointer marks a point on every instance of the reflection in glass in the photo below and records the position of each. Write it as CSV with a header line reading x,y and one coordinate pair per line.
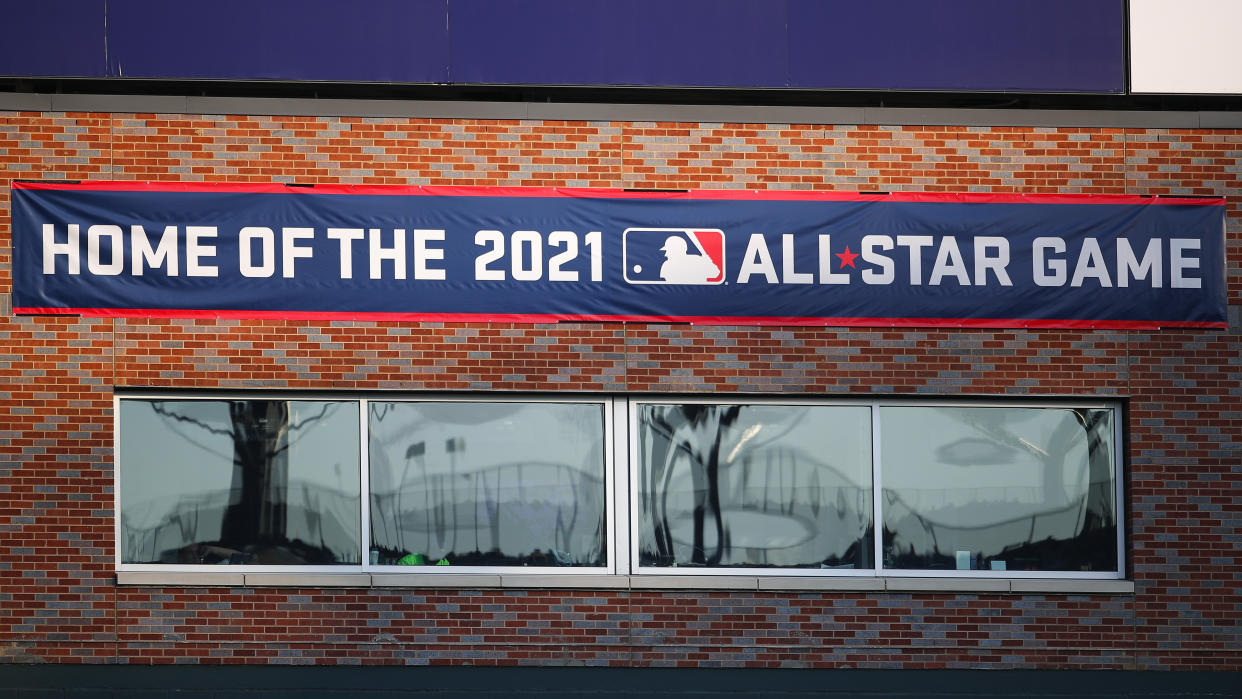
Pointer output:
x,y
264,482
473,483
999,488
754,485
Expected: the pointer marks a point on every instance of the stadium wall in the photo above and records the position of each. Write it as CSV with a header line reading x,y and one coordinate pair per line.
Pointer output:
x,y
60,600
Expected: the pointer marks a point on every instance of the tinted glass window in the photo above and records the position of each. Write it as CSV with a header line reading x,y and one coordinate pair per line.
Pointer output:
x,y
523,483
754,485
1028,489
264,482
474,483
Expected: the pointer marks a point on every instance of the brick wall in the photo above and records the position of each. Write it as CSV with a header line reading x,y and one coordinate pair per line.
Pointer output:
x,y
58,600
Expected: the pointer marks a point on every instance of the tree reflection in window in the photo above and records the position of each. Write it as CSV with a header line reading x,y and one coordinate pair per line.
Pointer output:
x,y
996,488
754,485
487,483
265,482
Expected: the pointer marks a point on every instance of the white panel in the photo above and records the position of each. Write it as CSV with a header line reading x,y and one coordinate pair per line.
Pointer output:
x,y
1186,46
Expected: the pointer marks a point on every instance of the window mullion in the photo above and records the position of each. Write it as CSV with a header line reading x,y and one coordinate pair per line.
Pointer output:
x,y
877,500
364,482
622,487
1119,475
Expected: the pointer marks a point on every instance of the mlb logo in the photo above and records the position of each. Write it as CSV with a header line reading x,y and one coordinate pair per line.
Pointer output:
x,y
673,255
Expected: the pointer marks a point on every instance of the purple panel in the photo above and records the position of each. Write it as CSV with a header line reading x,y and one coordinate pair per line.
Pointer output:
x,y
54,38
707,43
945,45
1015,45
375,41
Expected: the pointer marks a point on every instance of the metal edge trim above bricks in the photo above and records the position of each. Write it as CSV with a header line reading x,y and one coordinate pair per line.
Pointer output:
x,y
886,116
615,582
172,579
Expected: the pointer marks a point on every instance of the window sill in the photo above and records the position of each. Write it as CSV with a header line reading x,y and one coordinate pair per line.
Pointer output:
x,y
630,582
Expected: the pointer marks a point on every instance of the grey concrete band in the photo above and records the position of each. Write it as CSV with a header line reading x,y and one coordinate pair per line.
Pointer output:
x,y
884,116
635,582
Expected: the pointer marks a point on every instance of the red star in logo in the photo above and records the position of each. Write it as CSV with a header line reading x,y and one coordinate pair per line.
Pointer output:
x,y
847,258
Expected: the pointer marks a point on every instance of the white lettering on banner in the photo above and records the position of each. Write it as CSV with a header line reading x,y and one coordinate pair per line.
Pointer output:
x,y
869,244
531,256
1090,264
346,236
569,241
1178,263
984,262
95,236
1150,264
757,260
69,249
496,240
379,253
422,253
826,275
1049,269
526,256
948,263
790,275
291,251
196,252
991,255
164,254
142,255
915,243
267,254
597,263
1049,272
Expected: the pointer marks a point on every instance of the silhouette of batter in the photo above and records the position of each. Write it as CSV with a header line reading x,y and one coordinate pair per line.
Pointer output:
x,y
681,267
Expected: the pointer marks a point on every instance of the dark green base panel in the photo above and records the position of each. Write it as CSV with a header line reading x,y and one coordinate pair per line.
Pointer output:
x,y
261,682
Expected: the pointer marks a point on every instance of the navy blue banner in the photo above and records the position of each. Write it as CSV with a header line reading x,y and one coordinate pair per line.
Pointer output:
x,y
773,258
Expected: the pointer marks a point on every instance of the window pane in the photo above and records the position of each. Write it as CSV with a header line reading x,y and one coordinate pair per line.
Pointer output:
x,y
754,485
998,488
513,484
262,482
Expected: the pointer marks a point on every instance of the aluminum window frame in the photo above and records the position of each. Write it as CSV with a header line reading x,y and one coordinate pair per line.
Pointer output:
x,y
121,566
875,405
608,499
620,454
635,404
1035,402
608,454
